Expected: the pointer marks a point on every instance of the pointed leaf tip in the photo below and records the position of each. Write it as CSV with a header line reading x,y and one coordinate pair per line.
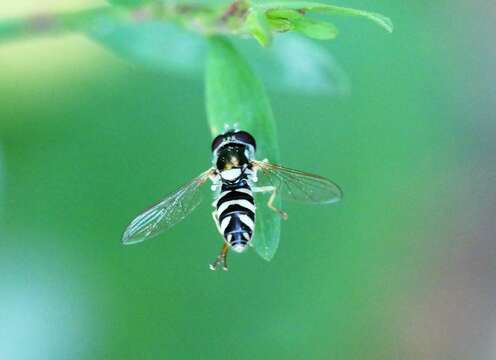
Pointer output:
x,y
305,7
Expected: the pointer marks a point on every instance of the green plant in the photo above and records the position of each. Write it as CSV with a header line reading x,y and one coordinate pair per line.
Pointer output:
x,y
234,94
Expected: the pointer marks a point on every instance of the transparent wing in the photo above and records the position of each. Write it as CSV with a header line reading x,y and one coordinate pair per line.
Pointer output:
x,y
298,185
166,213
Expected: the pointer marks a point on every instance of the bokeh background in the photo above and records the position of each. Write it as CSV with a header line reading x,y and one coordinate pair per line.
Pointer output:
x,y
403,268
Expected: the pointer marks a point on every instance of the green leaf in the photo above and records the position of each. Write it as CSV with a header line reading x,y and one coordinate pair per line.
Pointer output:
x,y
288,14
293,64
256,25
316,29
236,97
281,25
298,65
157,45
314,7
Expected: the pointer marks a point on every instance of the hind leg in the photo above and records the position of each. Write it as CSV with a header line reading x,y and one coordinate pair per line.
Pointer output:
x,y
222,258
272,197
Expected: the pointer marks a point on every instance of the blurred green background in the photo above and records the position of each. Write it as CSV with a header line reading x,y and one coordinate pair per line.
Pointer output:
x,y
401,269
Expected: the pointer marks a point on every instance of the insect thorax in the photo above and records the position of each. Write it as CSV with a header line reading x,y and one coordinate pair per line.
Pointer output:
x,y
233,149
231,156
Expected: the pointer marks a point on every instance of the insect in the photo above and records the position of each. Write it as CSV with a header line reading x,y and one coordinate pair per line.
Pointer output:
x,y
234,177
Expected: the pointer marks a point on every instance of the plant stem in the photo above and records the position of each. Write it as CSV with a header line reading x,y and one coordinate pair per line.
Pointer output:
x,y
195,17
50,24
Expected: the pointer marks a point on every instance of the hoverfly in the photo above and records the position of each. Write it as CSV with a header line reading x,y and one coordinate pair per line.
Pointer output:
x,y
234,177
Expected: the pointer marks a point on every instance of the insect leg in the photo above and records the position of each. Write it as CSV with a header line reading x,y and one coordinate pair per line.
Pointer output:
x,y
221,258
216,221
270,202
225,249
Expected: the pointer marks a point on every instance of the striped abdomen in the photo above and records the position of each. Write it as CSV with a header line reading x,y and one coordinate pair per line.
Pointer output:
x,y
236,214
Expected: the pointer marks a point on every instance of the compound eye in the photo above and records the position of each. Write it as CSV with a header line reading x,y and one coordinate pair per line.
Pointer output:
x,y
217,141
246,138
